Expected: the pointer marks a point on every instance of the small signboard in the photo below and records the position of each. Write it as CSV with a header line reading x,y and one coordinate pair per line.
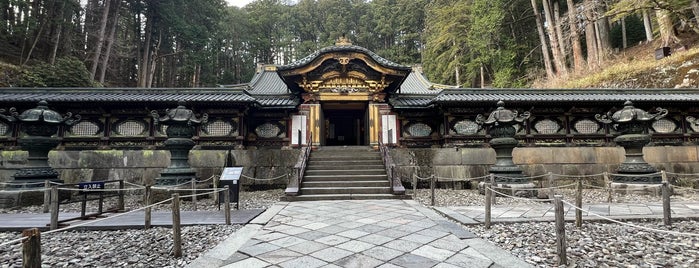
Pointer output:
x,y
232,174
90,186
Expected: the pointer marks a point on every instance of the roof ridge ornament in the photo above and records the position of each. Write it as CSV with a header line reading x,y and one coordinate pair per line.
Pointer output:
x,y
343,41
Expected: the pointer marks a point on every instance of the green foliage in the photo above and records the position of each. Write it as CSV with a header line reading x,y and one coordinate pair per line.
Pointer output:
x,y
67,72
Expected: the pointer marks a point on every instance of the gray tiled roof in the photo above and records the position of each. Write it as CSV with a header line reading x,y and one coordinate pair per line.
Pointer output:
x,y
417,83
566,95
410,101
351,48
281,101
267,83
123,95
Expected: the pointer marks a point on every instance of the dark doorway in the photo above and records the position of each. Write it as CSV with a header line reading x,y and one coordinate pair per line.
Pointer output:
x,y
344,124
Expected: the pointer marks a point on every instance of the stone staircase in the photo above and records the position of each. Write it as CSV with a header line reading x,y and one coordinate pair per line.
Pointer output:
x,y
343,173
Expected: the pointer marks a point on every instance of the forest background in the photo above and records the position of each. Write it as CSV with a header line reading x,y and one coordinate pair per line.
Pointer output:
x,y
184,43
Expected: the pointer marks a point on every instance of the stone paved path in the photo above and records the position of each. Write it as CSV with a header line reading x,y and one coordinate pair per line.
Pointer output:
x,y
545,212
354,233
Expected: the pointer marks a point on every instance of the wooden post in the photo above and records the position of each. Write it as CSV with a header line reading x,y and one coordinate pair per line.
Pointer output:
x,y
227,205
432,186
47,196
120,201
665,189
488,204
31,248
215,190
560,230
578,203
194,193
492,188
147,200
415,185
608,183
552,191
54,207
176,231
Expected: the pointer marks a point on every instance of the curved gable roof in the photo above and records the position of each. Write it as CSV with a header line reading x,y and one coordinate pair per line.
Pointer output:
x,y
343,48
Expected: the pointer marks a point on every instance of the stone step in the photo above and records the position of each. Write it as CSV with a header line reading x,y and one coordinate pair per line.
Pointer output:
x,y
321,197
309,178
343,167
377,183
344,162
339,157
345,190
345,172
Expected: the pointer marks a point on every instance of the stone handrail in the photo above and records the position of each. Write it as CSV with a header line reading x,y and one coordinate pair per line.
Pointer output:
x,y
300,167
396,185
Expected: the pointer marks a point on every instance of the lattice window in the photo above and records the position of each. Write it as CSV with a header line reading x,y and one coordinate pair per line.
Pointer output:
x,y
4,129
130,128
85,129
219,128
466,127
664,126
267,130
419,130
586,126
547,126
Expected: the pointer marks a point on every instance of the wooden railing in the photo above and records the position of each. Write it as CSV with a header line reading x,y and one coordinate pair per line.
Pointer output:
x,y
396,185
300,167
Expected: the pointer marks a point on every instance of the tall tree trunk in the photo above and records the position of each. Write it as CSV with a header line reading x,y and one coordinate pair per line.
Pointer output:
x,y
624,40
100,39
559,31
578,59
558,59
110,41
145,59
56,36
590,35
604,46
542,38
647,25
665,27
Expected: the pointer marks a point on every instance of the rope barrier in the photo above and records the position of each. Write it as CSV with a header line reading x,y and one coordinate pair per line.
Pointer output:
x,y
534,189
98,190
201,194
635,175
577,176
421,178
134,184
25,190
593,186
629,224
184,189
462,179
519,198
22,183
270,179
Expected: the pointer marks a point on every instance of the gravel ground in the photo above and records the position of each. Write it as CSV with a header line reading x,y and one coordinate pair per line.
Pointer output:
x,y
596,244
129,248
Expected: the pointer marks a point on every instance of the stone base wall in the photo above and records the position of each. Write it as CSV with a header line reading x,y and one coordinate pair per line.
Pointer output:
x,y
475,162
144,166
139,166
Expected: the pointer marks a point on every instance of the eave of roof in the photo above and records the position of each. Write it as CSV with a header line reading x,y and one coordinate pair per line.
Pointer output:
x,y
343,48
417,83
111,95
565,95
267,83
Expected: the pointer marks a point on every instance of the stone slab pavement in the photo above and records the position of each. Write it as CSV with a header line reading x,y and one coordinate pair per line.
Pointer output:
x,y
545,212
119,221
354,233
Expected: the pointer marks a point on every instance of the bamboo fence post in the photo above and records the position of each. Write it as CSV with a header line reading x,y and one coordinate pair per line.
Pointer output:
x,y
47,196
147,200
488,205
608,184
227,205
578,203
176,231
432,186
31,248
194,193
415,185
54,207
560,231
